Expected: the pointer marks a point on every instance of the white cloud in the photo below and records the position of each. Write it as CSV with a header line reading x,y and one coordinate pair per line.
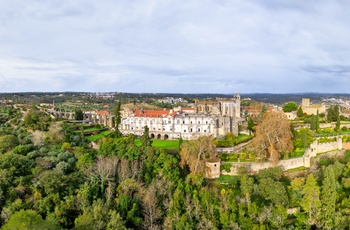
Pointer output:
x,y
171,46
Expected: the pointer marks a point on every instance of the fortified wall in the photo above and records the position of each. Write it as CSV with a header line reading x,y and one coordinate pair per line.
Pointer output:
x,y
310,152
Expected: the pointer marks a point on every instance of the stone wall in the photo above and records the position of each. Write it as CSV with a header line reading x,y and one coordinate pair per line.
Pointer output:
x,y
304,161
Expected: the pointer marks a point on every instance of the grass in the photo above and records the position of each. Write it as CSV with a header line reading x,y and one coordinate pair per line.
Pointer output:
x,y
227,179
301,168
164,144
241,138
98,136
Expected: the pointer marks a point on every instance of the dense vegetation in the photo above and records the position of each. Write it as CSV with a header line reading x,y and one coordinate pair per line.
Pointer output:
x,y
51,178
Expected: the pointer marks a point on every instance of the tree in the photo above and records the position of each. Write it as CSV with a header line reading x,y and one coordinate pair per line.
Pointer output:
x,y
333,113
56,132
313,122
329,196
38,138
273,136
317,121
251,125
118,118
289,107
300,112
195,153
78,114
337,126
145,139
29,220
311,202
8,142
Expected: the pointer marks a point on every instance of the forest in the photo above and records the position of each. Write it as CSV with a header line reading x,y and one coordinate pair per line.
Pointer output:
x,y
51,177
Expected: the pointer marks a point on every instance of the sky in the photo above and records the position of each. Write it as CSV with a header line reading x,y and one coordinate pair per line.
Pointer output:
x,y
175,46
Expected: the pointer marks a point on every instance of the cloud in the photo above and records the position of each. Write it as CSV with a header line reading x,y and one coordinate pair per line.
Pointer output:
x,y
163,46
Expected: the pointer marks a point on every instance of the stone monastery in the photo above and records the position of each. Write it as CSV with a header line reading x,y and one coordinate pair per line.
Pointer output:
x,y
205,118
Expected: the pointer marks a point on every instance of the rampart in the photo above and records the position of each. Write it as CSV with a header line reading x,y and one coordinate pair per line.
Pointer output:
x,y
304,161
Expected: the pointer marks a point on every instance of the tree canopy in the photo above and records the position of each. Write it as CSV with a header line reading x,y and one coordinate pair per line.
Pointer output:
x,y
290,106
273,136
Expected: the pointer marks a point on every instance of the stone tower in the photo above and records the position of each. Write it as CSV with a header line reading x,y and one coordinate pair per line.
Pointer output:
x,y
305,102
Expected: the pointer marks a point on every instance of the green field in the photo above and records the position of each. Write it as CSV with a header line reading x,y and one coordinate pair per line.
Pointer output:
x,y
98,136
165,144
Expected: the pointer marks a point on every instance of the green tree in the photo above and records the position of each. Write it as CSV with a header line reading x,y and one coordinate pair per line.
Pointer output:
x,y
300,112
337,126
8,142
289,107
118,118
313,122
29,220
78,114
145,138
317,121
251,125
311,202
329,196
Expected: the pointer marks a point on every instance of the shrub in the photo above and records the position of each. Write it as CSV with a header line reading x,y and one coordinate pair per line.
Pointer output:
x,y
226,167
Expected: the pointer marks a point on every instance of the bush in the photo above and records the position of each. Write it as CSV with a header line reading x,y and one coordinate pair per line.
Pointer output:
x,y
344,129
226,167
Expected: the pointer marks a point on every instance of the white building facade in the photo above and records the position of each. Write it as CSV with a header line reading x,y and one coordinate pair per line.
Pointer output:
x,y
206,118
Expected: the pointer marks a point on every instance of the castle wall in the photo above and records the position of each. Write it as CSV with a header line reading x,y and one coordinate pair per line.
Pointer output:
x,y
310,152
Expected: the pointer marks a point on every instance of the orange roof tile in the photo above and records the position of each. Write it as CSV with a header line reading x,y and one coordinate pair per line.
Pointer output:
x,y
153,113
102,112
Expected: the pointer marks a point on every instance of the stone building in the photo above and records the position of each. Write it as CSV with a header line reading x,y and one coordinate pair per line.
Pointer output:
x,y
205,118
310,109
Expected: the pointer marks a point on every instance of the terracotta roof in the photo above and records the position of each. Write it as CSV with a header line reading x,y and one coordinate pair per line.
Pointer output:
x,y
187,109
153,113
102,112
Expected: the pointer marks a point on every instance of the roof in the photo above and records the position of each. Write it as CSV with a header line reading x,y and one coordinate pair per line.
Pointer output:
x,y
102,112
153,113
187,108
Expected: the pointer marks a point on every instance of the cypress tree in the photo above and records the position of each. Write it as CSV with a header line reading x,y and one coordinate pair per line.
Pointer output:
x,y
313,122
329,196
337,126
118,118
300,112
317,121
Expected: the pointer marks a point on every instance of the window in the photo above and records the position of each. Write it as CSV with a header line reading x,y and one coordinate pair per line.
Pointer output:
x,y
206,122
184,131
199,122
183,122
205,130
198,130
